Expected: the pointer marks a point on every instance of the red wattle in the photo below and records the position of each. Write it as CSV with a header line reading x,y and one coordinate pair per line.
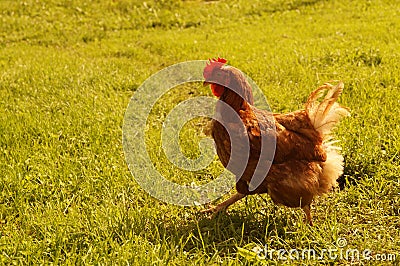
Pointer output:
x,y
217,90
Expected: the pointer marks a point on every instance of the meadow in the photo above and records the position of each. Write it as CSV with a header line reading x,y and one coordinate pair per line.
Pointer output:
x,y
68,70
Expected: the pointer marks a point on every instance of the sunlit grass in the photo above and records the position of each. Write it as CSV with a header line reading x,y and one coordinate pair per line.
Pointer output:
x,y
68,71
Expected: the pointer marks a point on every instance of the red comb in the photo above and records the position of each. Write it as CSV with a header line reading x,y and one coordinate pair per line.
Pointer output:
x,y
219,60
212,64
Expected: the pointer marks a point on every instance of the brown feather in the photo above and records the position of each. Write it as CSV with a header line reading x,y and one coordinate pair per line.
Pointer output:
x,y
304,164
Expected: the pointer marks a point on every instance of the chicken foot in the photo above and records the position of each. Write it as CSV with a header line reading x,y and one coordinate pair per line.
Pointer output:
x,y
224,205
238,196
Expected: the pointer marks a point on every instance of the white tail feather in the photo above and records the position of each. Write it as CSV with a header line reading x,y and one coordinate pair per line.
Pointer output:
x,y
332,168
326,114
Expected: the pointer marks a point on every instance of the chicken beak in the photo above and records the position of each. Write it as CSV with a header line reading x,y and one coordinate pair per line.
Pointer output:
x,y
206,83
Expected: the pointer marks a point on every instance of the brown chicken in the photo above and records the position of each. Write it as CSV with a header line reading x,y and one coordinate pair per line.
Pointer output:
x,y
291,155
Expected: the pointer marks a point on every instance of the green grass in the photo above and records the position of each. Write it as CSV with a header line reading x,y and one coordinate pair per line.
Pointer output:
x,y
68,71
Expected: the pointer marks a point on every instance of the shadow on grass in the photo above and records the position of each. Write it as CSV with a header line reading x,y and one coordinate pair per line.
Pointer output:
x,y
223,233
352,174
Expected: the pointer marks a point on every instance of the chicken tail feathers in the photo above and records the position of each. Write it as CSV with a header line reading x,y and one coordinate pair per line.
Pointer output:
x,y
325,113
323,110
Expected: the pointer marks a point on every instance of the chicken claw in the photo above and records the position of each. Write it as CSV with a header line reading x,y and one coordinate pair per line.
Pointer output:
x,y
213,209
223,205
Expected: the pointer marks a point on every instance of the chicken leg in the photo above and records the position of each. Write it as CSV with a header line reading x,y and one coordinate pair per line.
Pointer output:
x,y
224,205
307,211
